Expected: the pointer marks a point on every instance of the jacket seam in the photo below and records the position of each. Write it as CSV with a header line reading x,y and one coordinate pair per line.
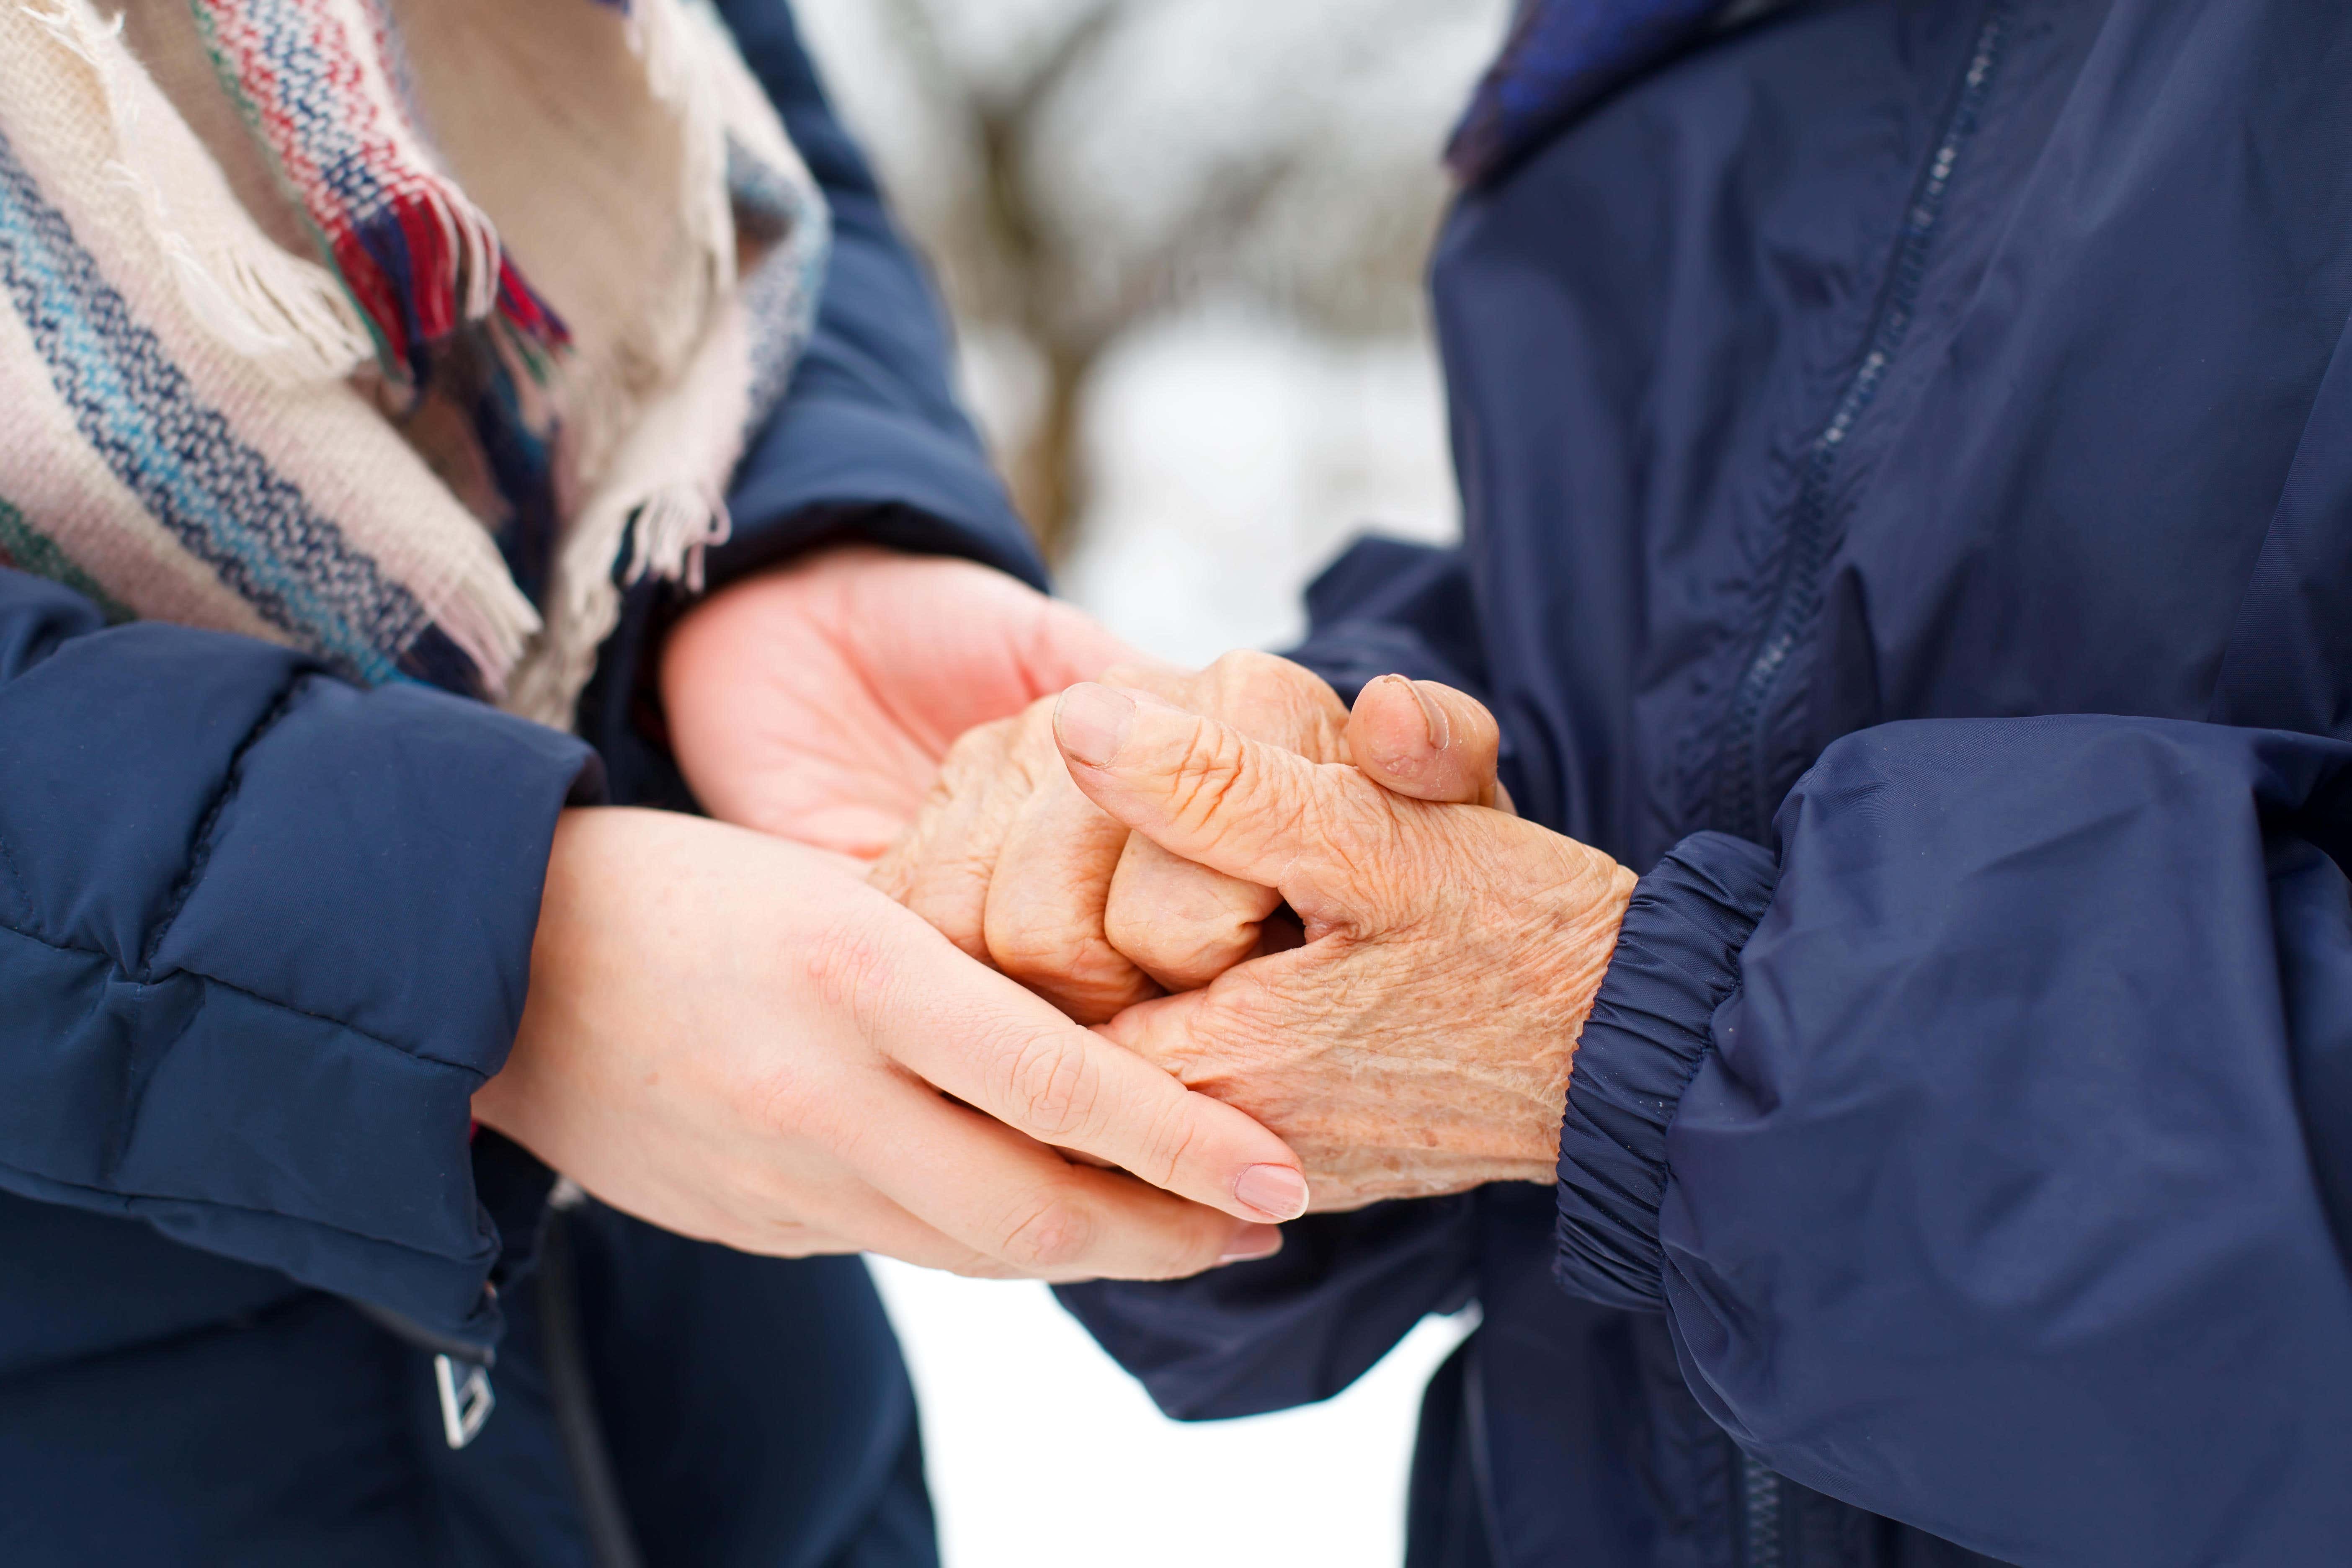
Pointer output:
x,y
346,1025
200,855
117,1194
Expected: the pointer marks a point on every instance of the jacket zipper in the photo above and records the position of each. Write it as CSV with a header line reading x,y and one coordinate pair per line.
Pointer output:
x,y
1742,774
1762,1501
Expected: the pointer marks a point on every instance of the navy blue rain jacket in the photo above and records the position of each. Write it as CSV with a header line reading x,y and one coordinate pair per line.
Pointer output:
x,y
262,934
1906,450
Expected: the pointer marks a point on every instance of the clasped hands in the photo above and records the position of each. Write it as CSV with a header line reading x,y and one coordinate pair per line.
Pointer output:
x,y
1323,963
1326,917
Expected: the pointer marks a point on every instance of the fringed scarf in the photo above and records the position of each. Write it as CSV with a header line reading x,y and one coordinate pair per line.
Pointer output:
x,y
407,333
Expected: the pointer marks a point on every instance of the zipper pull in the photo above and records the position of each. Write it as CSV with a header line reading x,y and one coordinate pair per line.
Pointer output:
x,y
466,1403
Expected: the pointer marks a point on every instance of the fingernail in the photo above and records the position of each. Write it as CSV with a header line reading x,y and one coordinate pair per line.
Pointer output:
x,y
1276,1192
1091,721
1249,1243
1441,733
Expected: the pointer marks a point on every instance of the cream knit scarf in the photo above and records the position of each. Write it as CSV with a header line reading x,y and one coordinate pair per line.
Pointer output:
x,y
406,332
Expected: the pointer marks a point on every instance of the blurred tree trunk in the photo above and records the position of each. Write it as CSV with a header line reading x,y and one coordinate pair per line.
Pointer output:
x,y
1016,255
1032,295
1050,483
1021,275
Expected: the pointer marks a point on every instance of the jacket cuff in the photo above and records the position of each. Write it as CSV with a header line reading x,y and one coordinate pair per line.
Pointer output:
x,y
273,932
422,828
1677,960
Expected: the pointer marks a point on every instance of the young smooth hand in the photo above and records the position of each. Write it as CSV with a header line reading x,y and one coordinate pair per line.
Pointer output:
x,y
1420,1040
817,701
734,1038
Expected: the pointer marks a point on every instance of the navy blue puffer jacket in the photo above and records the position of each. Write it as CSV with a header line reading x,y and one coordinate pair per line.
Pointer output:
x,y
1906,449
261,935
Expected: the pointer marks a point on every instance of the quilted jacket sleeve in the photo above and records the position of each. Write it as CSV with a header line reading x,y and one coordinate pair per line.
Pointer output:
x,y
261,935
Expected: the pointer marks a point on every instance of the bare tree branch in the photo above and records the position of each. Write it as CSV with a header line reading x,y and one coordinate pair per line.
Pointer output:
x,y
1015,255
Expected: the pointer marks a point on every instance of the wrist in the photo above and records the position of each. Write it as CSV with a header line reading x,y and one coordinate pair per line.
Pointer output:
x,y
557,963
1580,942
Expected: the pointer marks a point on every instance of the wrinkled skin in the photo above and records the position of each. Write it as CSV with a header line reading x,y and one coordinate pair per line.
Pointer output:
x,y
1420,1040
1023,872
1020,869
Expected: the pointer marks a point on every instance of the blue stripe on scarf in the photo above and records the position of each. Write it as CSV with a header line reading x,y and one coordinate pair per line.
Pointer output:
x,y
1561,55
220,497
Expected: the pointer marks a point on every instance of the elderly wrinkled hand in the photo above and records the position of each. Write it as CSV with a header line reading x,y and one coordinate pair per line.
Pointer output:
x,y
1021,870
1419,1041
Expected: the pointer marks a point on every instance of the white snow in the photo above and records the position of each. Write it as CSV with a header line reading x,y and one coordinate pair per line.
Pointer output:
x,y
1044,1454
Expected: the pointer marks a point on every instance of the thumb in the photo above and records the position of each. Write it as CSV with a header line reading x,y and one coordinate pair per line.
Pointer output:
x,y
1426,741
1206,793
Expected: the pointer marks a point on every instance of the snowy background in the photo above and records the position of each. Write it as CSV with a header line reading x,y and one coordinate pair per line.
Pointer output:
x,y
1184,242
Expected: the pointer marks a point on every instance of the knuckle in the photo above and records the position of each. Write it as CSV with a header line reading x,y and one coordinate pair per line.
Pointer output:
x,y
1055,1085
1090,983
1248,667
1037,933
1175,1138
1030,936
846,969
1196,950
1277,699
1214,766
1054,1233
974,755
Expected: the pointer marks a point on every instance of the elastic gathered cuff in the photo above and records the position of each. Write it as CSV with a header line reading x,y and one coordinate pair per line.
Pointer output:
x,y
1677,960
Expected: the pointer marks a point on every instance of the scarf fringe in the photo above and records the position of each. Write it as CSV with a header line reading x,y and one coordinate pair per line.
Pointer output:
x,y
420,258
666,533
491,624
670,531
431,264
288,316
671,42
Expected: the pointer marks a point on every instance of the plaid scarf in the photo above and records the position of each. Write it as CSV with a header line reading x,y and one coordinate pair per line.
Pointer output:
x,y
404,332
1560,57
